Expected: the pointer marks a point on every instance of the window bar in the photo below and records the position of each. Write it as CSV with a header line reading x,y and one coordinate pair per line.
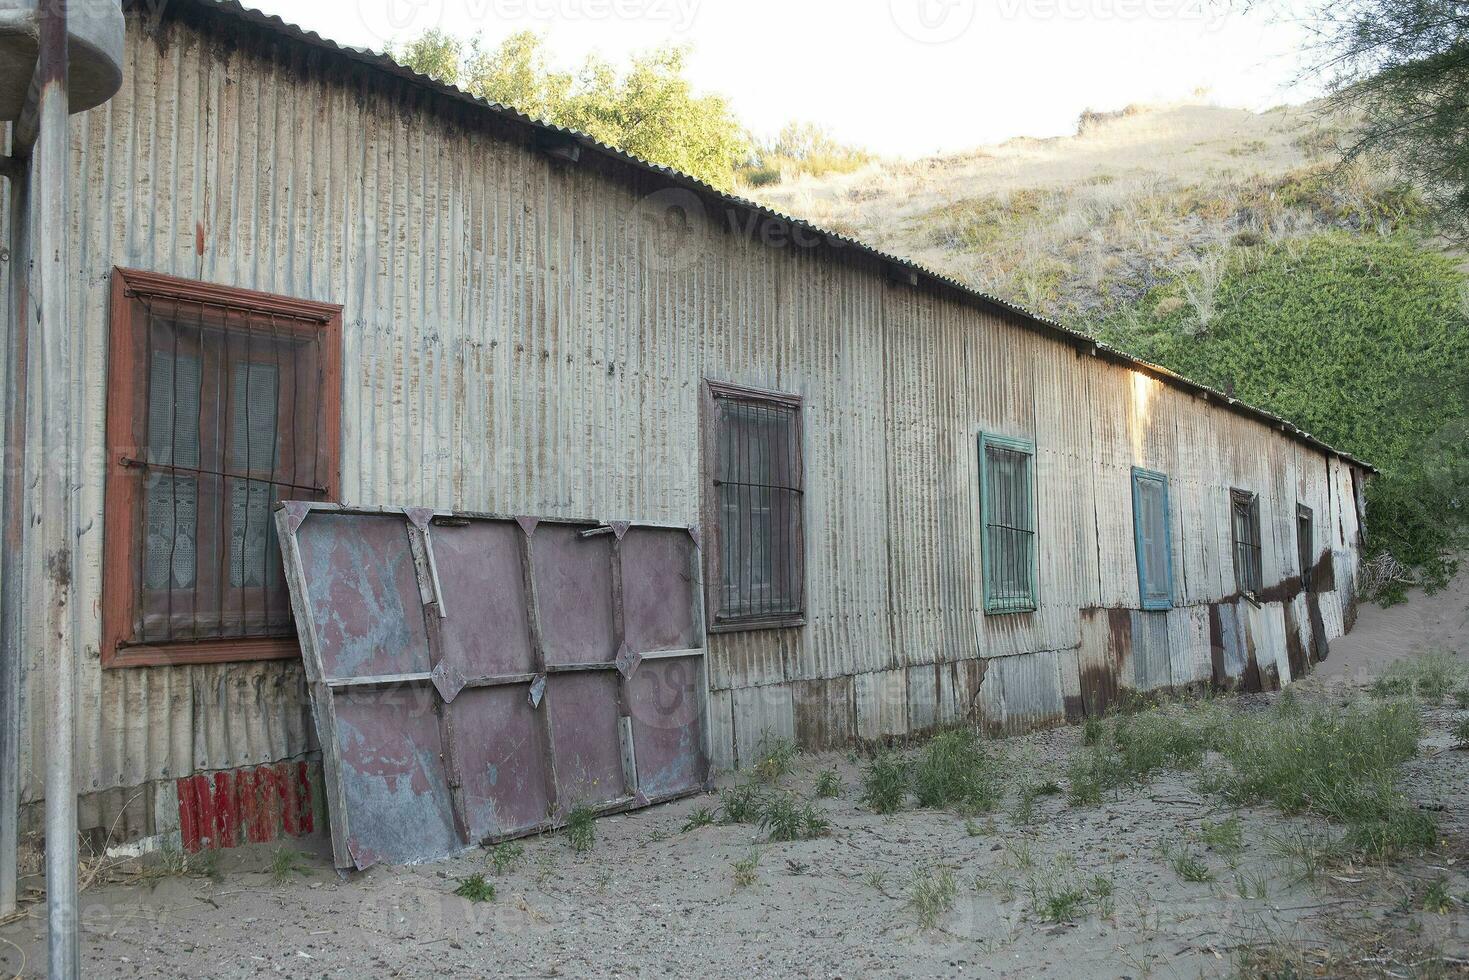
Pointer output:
x,y
238,558
173,455
199,495
222,402
746,514
147,444
275,462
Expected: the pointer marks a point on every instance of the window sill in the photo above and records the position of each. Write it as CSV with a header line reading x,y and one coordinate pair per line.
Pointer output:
x,y
243,650
762,623
1009,611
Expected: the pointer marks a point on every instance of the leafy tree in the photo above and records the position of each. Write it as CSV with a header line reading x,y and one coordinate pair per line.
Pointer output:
x,y
1401,67
647,108
435,54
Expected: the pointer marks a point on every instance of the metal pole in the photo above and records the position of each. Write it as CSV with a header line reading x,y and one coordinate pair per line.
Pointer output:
x,y
12,526
54,503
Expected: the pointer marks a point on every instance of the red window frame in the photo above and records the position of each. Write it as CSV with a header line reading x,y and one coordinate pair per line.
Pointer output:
x,y
123,502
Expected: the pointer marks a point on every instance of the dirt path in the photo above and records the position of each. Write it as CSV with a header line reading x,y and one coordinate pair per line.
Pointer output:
x,y
652,899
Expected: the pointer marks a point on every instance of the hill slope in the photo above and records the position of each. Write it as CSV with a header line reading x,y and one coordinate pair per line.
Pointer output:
x,y
1074,226
1233,247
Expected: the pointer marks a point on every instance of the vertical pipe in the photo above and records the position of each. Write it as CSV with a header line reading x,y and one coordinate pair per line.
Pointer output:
x,y
54,503
12,526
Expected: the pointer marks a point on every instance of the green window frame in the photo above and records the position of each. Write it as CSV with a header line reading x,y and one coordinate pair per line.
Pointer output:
x,y
1008,523
1152,538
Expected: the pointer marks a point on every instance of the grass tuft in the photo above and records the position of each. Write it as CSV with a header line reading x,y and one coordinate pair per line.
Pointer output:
x,y
1188,865
777,757
702,817
954,771
885,783
785,819
828,784
741,804
284,862
745,869
931,895
1430,677
1226,837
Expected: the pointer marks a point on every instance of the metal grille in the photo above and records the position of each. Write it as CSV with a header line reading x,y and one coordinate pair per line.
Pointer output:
x,y
1009,529
232,426
759,487
1245,509
1305,542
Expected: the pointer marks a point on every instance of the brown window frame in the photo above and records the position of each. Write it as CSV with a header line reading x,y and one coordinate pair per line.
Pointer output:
x,y
719,620
1248,503
123,494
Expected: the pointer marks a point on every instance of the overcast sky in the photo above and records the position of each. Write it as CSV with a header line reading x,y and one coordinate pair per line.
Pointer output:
x,y
899,77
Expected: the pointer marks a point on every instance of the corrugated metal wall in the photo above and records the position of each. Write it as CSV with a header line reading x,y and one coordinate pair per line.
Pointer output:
x,y
519,340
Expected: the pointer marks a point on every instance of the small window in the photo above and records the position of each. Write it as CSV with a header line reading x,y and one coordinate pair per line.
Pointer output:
x,y
1305,543
1007,496
221,403
756,548
1245,520
1151,535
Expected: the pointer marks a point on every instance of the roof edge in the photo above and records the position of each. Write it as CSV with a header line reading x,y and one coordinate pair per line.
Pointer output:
x,y
834,241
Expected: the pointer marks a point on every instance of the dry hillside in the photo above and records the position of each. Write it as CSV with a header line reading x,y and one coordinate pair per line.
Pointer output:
x,y
1076,224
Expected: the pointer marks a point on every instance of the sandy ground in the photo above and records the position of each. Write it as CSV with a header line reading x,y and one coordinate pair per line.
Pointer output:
x,y
651,899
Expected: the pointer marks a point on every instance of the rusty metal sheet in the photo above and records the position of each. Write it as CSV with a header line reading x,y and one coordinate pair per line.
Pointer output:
x,y
476,677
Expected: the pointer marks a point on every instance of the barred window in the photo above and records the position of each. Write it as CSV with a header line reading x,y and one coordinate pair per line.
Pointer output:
x,y
221,403
1007,496
1152,538
754,462
1305,542
1245,520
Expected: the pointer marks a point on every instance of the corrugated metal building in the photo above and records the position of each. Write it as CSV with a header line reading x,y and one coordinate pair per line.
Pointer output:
x,y
529,324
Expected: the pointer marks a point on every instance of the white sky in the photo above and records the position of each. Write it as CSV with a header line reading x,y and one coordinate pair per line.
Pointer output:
x,y
899,77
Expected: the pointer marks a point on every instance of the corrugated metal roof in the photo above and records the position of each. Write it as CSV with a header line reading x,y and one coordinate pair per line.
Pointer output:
x,y
838,241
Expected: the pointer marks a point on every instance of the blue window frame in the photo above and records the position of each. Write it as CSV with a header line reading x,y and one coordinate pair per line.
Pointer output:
x,y
1008,531
1151,536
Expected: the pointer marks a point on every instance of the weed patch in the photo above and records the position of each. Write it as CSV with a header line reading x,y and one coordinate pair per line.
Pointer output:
x,y
581,828
476,889
506,856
